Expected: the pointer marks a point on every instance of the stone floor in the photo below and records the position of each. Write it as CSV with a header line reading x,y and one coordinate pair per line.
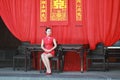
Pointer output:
x,y
9,74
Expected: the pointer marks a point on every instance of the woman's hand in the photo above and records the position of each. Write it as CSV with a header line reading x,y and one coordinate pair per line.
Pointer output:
x,y
46,50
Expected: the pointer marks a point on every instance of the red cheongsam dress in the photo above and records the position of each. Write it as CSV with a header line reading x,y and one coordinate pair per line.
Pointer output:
x,y
48,44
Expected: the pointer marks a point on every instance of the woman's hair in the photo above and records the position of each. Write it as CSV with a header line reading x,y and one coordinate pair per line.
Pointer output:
x,y
47,28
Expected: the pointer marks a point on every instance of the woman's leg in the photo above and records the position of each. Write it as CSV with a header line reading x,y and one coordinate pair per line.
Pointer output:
x,y
47,56
43,59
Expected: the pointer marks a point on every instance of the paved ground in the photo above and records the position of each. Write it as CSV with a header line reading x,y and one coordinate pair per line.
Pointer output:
x,y
9,74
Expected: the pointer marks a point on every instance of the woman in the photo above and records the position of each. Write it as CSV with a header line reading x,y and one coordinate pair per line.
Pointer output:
x,y
48,45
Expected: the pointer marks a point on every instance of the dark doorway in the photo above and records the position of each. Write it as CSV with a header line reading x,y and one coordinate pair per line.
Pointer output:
x,y
8,45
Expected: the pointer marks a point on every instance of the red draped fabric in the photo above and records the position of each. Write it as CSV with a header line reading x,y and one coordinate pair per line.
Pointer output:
x,y
100,23
19,16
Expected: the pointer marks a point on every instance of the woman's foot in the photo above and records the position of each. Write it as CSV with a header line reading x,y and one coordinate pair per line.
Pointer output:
x,y
48,73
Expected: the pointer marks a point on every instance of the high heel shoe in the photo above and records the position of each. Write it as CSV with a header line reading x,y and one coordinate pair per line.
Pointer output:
x,y
48,73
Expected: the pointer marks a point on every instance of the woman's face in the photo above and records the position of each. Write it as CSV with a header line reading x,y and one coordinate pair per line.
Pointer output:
x,y
48,32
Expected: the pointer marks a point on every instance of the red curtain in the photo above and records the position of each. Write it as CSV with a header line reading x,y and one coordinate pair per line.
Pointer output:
x,y
19,16
101,23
